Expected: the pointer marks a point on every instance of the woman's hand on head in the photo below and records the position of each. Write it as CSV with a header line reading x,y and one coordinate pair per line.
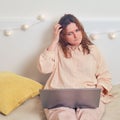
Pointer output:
x,y
57,30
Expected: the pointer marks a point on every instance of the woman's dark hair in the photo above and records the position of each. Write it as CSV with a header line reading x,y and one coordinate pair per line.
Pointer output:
x,y
64,22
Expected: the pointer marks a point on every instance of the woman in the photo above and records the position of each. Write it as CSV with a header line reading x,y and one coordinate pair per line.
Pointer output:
x,y
74,62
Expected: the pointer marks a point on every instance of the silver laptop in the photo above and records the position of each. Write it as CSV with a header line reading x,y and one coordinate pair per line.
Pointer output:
x,y
73,98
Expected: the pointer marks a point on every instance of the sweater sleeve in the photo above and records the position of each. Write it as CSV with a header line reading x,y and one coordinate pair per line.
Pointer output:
x,y
46,63
102,74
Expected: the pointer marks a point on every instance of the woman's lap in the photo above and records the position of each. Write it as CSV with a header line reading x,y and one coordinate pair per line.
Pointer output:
x,y
64,113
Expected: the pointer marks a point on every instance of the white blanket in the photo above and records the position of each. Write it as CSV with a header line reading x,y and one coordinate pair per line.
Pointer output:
x,y
32,109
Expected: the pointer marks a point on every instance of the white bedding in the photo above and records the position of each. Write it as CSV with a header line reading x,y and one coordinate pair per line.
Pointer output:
x,y
32,109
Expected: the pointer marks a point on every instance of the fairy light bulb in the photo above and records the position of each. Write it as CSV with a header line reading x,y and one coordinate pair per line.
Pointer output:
x,y
25,27
8,32
93,36
112,35
41,17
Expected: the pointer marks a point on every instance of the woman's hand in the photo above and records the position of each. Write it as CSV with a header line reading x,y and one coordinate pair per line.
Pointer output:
x,y
103,90
57,30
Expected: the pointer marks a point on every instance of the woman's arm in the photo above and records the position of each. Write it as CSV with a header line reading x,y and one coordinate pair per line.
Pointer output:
x,y
48,58
102,74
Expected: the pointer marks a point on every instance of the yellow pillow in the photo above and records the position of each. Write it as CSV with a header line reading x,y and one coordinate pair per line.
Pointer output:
x,y
14,90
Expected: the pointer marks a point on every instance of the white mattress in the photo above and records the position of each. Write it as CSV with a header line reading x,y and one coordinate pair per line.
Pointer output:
x,y
32,109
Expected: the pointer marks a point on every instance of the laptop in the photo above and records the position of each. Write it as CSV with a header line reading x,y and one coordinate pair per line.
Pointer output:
x,y
73,98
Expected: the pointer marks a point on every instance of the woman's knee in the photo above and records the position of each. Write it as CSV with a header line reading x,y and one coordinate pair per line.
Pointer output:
x,y
91,114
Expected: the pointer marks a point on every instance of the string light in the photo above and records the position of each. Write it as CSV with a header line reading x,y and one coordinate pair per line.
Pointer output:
x,y
41,17
93,36
24,27
112,35
8,32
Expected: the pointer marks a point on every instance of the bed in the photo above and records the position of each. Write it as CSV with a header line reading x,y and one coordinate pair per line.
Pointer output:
x,y
32,109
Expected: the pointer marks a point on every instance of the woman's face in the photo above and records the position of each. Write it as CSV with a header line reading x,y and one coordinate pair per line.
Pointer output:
x,y
73,35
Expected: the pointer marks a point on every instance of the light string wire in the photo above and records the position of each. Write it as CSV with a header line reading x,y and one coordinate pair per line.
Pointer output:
x,y
8,31
110,34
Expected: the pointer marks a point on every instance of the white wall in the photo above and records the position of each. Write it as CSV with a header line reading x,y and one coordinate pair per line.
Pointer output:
x,y
82,8
19,52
